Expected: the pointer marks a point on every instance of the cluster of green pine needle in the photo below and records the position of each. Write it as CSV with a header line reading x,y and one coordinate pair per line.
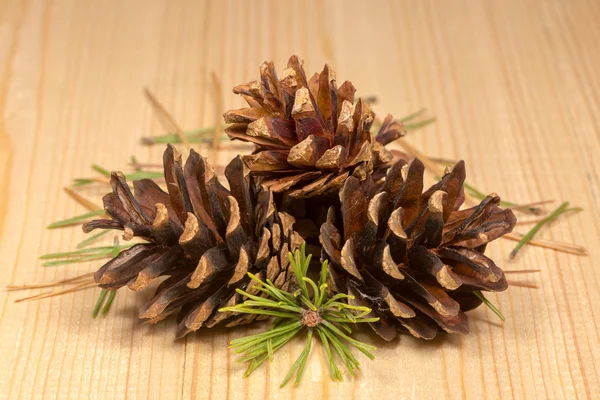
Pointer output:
x,y
328,317
139,174
82,255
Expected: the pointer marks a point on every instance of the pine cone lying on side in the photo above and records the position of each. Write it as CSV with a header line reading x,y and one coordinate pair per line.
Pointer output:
x,y
204,237
310,135
411,255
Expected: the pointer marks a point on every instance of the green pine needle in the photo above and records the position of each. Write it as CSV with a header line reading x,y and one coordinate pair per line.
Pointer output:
x,y
82,182
108,304
480,195
92,239
412,126
309,309
563,208
409,123
57,263
111,294
101,170
412,116
100,302
489,304
90,251
202,135
419,125
134,176
75,220
82,255
133,160
89,254
476,193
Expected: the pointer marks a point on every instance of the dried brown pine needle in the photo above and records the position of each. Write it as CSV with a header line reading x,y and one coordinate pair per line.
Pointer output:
x,y
194,243
138,166
62,282
44,295
550,244
371,99
398,228
531,221
532,208
529,285
430,165
521,271
166,119
555,245
521,283
81,199
218,101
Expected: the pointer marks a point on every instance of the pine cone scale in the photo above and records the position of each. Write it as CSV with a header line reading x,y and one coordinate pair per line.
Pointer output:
x,y
304,126
124,267
401,248
409,253
203,237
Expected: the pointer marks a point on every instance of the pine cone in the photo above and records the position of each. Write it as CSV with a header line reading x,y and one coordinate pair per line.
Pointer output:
x,y
201,236
411,255
310,136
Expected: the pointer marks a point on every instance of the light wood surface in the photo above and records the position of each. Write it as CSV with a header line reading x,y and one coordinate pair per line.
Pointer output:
x,y
515,86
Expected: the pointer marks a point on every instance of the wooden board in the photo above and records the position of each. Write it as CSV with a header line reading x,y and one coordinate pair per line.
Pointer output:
x,y
515,89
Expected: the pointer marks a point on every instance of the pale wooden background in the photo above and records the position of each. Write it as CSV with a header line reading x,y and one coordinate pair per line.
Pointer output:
x,y
514,85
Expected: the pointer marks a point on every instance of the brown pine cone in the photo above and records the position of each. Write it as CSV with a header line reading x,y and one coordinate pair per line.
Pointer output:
x,y
411,255
201,236
310,135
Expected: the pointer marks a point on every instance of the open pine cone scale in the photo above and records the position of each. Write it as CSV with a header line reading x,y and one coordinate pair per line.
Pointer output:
x,y
411,255
407,252
310,134
203,237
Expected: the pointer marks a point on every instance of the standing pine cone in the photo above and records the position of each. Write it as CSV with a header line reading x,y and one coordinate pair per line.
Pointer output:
x,y
411,255
310,136
201,236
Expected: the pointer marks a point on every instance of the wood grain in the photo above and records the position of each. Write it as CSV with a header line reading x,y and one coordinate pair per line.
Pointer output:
x,y
514,86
